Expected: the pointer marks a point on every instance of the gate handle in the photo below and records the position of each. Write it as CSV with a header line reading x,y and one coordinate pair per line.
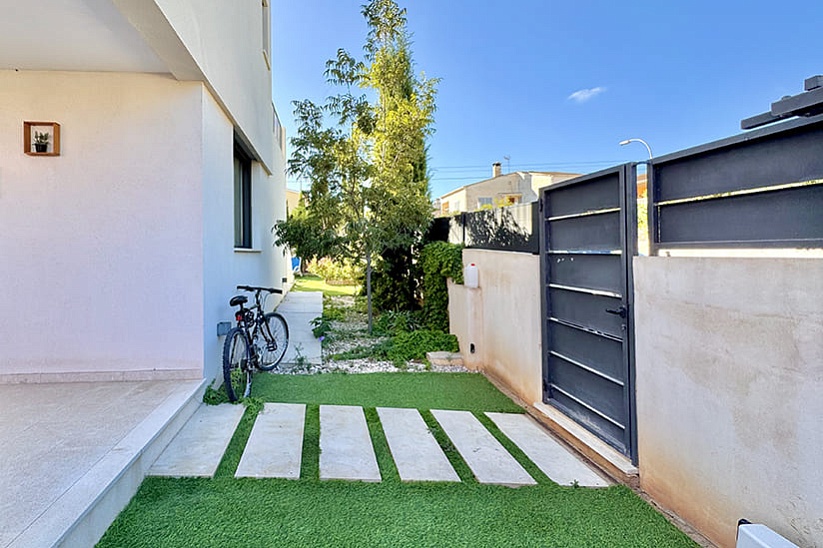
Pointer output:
x,y
617,311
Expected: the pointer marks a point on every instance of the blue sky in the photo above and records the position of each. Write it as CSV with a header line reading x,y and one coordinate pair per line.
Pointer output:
x,y
556,85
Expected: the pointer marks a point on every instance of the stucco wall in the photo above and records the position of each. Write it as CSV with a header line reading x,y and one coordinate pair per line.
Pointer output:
x,y
502,319
729,384
101,247
226,41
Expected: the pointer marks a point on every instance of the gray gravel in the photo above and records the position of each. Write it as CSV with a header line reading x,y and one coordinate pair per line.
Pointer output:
x,y
349,334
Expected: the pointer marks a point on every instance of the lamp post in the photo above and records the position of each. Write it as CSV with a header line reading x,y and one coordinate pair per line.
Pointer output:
x,y
645,144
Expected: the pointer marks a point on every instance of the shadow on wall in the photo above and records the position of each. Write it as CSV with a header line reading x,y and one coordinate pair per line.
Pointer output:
x,y
499,229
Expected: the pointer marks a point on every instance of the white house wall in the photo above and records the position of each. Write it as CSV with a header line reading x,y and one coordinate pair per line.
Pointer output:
x,y
225,41
224,267
102,256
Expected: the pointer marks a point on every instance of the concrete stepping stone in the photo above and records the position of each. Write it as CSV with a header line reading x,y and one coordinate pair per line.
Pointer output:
x,y
275,446
488,459
346,450
558,463
416,453
199,446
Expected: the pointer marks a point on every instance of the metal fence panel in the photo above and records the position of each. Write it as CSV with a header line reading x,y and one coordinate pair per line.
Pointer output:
x,y
758,189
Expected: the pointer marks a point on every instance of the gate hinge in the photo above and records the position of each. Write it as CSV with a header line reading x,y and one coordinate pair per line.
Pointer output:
x,y
540,205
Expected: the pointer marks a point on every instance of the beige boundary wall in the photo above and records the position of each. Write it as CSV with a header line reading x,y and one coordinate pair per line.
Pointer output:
x,y
730,392
502,319
729,383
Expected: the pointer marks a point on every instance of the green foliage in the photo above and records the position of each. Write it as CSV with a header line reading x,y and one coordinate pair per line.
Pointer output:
x,y
415,344
343,270
369,193
403,347
321,327
219,396
440,260
393,323
306,233
41,138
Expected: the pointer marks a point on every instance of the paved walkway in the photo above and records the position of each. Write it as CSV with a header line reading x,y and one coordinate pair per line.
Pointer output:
x,y
275,446
63,447
300,308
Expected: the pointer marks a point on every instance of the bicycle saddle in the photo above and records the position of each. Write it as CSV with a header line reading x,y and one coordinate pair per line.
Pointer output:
x,y
237,300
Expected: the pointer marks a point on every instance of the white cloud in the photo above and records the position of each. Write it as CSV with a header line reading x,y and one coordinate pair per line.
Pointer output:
x,y
583,95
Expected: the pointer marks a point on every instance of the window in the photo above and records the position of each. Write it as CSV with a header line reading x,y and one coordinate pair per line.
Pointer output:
x,y
242,198
267,33
484,201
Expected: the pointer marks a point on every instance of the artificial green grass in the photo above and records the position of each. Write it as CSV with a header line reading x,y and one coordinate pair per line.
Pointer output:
x,y
225,511
310,282
468,391
264,513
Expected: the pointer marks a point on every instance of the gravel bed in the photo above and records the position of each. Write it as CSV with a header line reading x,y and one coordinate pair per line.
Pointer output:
x,y
351,333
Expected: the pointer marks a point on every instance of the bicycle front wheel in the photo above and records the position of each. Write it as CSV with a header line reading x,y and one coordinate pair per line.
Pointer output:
x,y
275,340
236,366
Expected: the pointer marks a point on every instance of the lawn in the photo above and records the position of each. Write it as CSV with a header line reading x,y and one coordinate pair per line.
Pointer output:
x,y
310,282
225,511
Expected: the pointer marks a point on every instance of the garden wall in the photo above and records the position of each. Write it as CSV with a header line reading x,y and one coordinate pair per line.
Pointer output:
x,y
729,381
501,318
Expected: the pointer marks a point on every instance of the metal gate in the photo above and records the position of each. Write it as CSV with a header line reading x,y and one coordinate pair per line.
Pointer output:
x,y
588,237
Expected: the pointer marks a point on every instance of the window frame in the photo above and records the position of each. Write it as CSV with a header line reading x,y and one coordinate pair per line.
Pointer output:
x,y
242,199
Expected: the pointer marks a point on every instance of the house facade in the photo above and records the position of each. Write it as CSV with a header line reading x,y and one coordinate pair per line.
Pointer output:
x,y
121,250
519,187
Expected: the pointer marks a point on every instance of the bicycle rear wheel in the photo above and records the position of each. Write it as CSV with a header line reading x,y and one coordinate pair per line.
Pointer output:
x,y
275,340
236,367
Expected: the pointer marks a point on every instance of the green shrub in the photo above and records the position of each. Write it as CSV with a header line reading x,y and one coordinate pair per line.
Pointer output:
x,y
403,347
414,345
336,271
393,323
440,260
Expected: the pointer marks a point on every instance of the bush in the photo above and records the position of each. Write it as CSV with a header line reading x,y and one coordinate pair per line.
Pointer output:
x,y
415,345
404,347
336,271
393,323
440,260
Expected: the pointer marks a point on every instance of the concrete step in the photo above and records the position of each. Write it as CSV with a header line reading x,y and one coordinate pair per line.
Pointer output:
x,y
447,359
553,459
81,515
275,446
197,450
415,451
488,459
346,450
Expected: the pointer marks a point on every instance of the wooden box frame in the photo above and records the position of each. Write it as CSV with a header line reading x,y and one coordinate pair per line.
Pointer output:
x,y
28,146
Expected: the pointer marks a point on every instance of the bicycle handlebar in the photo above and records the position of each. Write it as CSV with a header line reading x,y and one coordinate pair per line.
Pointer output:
x,y
254,288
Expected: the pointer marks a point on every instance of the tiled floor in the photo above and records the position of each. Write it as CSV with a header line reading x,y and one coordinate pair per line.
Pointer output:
x,y
52,435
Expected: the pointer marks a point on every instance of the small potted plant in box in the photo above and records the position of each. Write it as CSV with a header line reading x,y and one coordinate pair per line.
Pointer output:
x,y
41,141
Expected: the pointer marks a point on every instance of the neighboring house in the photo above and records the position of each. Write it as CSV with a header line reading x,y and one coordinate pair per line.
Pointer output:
x,y
119,255
519,187
292,200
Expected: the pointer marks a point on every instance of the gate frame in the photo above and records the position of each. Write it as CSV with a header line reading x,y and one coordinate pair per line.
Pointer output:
x,y
627,175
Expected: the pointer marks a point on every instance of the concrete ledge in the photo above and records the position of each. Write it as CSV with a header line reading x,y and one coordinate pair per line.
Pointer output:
x,y
593,448
102,376
453,359
82,514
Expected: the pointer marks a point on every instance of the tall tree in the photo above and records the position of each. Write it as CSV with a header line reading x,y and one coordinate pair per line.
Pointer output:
x,y
369,183
403,118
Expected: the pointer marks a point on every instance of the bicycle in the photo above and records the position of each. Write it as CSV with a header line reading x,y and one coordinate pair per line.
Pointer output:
x,y
268,334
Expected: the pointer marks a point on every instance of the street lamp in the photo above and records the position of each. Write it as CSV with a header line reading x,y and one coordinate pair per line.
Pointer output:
x,y
645,144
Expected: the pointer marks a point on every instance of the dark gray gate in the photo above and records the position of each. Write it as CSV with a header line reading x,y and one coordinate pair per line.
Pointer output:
x,y
588,238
